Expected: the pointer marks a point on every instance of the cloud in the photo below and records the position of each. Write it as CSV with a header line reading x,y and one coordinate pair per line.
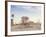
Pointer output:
x,y
31,8
26,7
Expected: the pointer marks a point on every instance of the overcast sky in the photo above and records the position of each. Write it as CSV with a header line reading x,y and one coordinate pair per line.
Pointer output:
x,y
33,12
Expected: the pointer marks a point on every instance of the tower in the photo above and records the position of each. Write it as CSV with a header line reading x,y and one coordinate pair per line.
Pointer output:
x,y
12,16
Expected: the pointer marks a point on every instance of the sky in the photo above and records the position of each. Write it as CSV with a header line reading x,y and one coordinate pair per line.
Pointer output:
x,y
33,12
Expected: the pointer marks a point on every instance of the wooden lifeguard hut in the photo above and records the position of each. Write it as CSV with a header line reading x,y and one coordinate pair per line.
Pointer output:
x,y
24,20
